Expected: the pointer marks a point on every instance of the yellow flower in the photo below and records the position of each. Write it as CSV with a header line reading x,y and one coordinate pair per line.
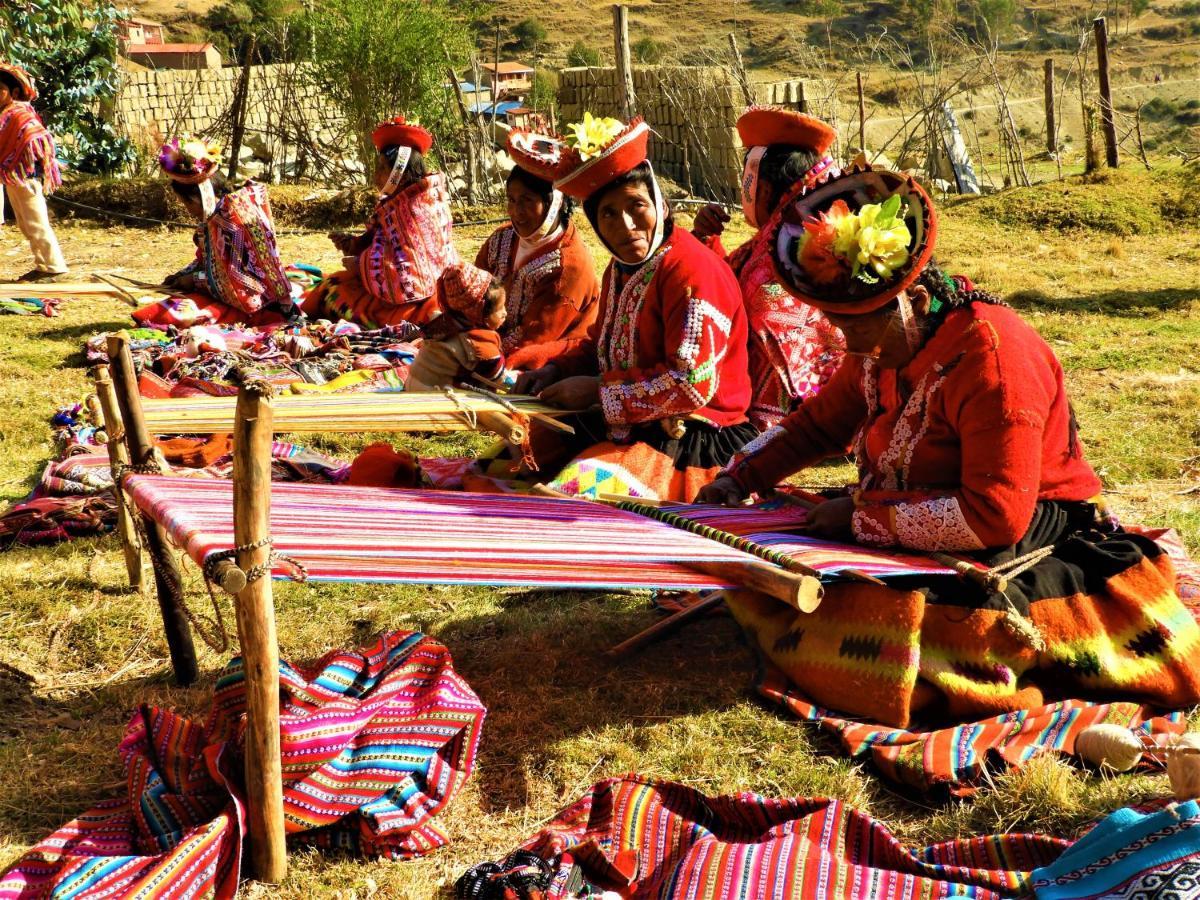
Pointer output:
x,y
883,250
591,135
194,149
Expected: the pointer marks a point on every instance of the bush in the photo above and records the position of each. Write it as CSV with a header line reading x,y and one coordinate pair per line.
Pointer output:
x,y
581,55
530,34
1159,108
647,50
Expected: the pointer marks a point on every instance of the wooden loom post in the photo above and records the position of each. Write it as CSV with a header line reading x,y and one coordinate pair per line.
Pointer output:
x,y
256,631
167,579
118,458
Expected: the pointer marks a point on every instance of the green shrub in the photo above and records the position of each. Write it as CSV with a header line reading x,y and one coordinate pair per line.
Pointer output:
x,y
581,54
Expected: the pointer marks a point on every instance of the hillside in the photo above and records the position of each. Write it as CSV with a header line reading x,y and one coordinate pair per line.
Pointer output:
x,y
777,35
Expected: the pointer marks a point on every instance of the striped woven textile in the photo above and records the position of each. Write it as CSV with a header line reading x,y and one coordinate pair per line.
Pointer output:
x,y
957,759
375,743
348,533
686,845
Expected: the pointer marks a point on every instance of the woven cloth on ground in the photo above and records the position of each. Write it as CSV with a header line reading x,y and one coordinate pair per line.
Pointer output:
x,y
1131,854
958,758
685,844
375,743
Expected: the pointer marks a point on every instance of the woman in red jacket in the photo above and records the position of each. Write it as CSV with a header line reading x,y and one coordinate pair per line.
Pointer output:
x,y
965,441
549,280
666,362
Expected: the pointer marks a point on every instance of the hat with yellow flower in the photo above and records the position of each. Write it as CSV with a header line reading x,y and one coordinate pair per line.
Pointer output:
x,y
189,159
854,241
25,89
597,151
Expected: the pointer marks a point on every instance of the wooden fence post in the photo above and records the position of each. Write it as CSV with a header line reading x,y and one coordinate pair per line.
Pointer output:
x,y
167,579
252,438
862,114
1107,123
739,69
623,60
468,136
1051,127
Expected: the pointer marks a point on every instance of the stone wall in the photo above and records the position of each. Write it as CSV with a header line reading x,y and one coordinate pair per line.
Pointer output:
x,y
693,111
286,116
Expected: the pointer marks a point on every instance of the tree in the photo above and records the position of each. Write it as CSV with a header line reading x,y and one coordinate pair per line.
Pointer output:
x,y
581,54
544,92
995,16
530,35
232,23
388,57
647,50
70,48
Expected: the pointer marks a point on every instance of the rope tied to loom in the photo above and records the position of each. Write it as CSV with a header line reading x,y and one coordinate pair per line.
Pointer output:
x,y
467,412
298,572
519,417
211,630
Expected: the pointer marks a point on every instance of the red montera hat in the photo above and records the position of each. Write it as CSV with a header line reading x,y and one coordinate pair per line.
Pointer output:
x,y
398,133
762,126
813,266
585,170
538,154
464,288
25,89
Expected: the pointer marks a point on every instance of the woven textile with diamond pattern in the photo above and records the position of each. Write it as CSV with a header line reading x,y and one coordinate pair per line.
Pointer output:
x,y
438,537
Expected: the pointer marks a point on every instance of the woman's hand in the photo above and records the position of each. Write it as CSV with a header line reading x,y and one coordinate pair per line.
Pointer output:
x,y
181,281
710,221
725,491
832,519
535,381
343,241
576,392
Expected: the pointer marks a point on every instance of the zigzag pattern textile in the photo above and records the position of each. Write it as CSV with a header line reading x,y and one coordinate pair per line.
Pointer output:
x,y
680,843
440,537
375,744
958,759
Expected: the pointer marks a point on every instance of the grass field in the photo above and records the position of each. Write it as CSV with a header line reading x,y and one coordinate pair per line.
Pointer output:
x,y
78,651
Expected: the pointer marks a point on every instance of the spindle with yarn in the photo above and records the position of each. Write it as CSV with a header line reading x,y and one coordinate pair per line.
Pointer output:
x,y
1109,746
1183,766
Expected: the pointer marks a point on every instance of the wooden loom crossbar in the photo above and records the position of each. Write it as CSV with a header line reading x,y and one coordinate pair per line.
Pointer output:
x,y
454,410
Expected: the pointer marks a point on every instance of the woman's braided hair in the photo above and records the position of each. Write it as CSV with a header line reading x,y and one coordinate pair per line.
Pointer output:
x,y
950,294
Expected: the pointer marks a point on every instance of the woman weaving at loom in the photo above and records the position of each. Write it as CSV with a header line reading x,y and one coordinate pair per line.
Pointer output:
x,y
237,262
547,272
792,346
966,444
667,360
393,267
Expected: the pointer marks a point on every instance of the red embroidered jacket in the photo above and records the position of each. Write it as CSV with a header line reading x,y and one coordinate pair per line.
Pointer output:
x,y
954,450
671,340
552,299
409,243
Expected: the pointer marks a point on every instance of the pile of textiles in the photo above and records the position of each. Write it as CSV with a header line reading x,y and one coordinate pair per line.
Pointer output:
x,y
203,359
73,497
29,306
200,308
375,744
645,838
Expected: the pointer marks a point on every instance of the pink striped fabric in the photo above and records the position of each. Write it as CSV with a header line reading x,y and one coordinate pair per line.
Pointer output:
x,y
343,533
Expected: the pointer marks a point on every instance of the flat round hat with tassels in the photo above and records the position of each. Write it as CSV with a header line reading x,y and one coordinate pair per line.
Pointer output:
x,y
765,126
855,240
399,133
538,154
597,151
25,90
